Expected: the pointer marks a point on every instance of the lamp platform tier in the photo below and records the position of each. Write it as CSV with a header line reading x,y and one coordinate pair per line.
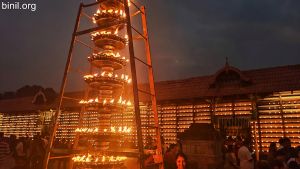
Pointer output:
x,y
107,59
104,108
106,17
108,40
106,82
115,4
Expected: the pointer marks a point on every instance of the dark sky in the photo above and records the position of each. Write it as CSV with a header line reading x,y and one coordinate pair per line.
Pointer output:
x,y
188,38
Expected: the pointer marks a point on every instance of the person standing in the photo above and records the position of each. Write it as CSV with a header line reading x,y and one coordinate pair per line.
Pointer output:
x,y
6,159
244,155
272,151
230,159
294,162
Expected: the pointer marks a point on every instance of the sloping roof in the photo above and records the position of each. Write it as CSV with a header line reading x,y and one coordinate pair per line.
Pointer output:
x,y
267,80
23,104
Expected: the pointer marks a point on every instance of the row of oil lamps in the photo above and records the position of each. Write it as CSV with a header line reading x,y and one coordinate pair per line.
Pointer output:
x,y
124,129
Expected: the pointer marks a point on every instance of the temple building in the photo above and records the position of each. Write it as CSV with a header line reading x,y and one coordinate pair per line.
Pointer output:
x,y
261,104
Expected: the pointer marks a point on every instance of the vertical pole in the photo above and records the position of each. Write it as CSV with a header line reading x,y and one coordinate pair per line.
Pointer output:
x,y
177,119
233,108
62,90
282,115
151,82
255,142
258,122
212,113
193,111
134,83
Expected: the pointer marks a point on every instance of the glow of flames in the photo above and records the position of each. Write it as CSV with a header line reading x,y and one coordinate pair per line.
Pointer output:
x,y
106,74
95,159
106,101
116,32
124,129
111,11
87,130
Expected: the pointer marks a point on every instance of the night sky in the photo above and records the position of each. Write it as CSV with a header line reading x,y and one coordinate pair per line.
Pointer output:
x,y
188,38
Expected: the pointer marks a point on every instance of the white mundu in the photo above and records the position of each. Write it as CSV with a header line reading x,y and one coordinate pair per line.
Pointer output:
x,y
246,161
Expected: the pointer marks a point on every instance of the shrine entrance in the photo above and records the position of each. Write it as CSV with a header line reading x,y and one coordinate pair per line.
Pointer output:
x,y
235,127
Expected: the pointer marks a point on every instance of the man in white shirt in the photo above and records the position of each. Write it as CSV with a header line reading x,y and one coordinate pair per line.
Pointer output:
x,y
246,160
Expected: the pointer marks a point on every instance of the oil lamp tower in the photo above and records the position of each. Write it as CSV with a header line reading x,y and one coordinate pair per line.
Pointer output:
x,y
101,139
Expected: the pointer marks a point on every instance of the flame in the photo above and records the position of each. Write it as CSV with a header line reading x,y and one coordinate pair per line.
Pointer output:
x,y
106,74
106,101
121,129
87,130
117,55
98,11
112,129
129,3
116,31
95,159
120,99
87,76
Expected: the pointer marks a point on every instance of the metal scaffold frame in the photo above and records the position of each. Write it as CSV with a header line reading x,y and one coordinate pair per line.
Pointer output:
x,y
140,11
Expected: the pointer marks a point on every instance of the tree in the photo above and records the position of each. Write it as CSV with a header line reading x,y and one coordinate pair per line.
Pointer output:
x,y
9,95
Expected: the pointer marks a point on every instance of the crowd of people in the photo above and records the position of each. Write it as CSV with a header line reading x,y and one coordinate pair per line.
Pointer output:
x,y
28,153
21,153
238,156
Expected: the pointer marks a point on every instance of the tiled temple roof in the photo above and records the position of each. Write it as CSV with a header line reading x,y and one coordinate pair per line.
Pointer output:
x,y
227,81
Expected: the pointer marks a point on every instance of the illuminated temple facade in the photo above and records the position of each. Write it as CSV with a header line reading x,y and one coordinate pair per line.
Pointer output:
x,y
261,104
